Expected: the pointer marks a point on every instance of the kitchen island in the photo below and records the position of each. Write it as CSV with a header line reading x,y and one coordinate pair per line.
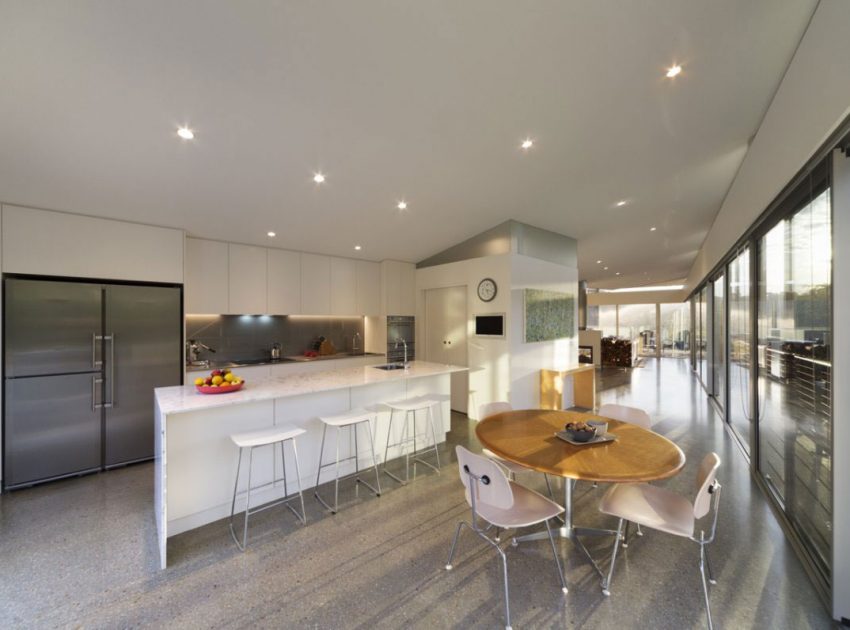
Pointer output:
x,y
196,460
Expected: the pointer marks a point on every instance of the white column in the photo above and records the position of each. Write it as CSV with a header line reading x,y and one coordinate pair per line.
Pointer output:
x,y
841,393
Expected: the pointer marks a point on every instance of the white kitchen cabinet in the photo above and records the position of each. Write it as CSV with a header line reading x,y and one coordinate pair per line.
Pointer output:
x,y
284,282
343,286
368,288
398,288
319,365
315,284
246,272
205,290
45,243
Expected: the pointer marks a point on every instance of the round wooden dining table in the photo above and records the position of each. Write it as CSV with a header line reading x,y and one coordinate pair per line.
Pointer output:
x,y
527,437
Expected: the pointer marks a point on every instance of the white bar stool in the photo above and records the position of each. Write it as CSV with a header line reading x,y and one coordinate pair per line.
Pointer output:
x,y
351,419
265,437
410,407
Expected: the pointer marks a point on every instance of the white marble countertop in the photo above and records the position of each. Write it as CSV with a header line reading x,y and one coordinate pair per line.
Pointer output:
x,y
185,398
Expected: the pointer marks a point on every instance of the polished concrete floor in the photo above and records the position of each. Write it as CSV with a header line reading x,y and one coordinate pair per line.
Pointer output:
x,y
82,552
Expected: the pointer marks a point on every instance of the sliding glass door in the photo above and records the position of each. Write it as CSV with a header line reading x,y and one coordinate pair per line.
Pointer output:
x,y
718,345
794,368
738,413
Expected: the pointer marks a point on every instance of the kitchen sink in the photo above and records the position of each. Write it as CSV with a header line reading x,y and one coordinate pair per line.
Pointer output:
x,y
389,366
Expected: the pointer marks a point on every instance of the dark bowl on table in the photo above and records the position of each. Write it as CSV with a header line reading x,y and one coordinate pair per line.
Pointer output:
x,y
581,436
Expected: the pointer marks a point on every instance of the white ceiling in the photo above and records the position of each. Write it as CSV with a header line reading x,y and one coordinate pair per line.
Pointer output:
x,y
426,101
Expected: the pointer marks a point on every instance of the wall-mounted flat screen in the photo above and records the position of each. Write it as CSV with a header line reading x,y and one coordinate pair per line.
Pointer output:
x,y
490,325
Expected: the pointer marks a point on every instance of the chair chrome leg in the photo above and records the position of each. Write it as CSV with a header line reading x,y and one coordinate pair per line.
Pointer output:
x,y
454,545
704,582
557,559
507,592
607,584
549,486
639,530
389,437
625,542
711,579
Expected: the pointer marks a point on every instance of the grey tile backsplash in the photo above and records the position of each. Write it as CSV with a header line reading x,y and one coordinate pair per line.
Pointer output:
x,y
245,337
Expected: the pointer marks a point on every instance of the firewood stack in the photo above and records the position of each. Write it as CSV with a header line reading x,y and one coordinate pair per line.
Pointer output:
x,y
616,352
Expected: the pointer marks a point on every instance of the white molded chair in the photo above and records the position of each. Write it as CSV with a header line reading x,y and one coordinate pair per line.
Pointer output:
x,y
511,468
658,508
503,504
632,415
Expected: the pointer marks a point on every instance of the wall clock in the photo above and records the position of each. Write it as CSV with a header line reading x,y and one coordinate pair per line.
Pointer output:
x,y
487,290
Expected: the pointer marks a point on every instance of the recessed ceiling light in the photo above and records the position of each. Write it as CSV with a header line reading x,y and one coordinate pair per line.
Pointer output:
x,y
527,144
402,205
674,71
652,229
271,234
185,133
621,203
598,262
617,274
318,178
357,247
604,268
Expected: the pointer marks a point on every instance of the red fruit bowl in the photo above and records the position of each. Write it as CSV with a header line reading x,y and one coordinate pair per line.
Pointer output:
x,y
221,389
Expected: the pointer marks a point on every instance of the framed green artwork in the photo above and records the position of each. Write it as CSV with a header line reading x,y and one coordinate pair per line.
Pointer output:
x,y
548,315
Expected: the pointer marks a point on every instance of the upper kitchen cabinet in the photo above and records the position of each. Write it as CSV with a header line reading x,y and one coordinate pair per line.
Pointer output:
x,y
398,288
246,271
315,284
205,292
343,286
368,288
45,243
284,282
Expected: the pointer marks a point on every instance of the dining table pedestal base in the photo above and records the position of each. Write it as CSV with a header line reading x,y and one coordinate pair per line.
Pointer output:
x,y
571,532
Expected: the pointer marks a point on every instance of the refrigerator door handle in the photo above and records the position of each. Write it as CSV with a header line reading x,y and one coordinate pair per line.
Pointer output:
x,y
111,339
95,362
95,381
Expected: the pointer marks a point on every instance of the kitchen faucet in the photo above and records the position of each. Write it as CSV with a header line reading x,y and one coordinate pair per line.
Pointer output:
x,y
400,340
193,351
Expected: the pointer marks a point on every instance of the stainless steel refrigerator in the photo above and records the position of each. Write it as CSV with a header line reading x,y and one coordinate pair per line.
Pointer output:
x,y
81,362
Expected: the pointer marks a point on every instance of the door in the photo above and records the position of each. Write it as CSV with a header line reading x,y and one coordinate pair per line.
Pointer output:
x,y
445,337
142,351
52,428
51,327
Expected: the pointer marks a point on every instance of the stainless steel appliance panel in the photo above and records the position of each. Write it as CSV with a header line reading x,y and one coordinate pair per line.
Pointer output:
x,y
53,427
142,350
51,327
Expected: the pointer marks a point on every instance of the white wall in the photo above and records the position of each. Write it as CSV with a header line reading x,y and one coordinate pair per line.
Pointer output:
x,y
841,395
488,358
42,242
813,98
527,359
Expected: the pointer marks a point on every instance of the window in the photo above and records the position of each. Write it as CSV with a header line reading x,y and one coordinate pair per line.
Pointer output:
x,y
718,346
608,321
740,339
675,330
794,368
637,322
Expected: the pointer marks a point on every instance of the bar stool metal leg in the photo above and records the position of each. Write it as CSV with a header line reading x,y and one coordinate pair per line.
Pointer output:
x,y
374,459
235,488
303,515
247,502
